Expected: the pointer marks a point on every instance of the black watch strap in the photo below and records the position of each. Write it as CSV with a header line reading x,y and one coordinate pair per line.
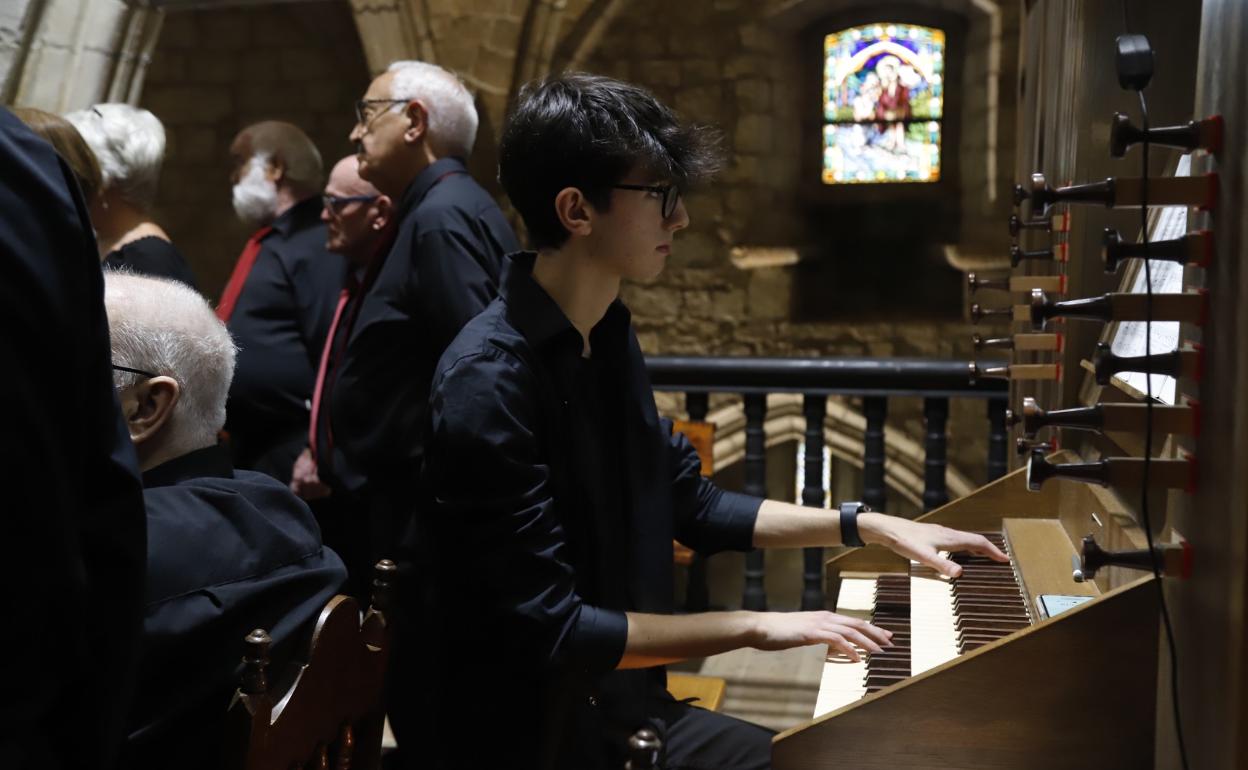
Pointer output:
x,y
849,523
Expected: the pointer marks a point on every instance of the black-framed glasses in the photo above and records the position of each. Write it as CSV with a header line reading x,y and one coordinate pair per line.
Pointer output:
x,y
335,203
670,194
364,115
120,368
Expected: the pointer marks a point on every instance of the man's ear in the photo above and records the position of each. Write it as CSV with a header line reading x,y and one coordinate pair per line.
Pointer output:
x,y
575,212
384,207
275,170
418,121
148,405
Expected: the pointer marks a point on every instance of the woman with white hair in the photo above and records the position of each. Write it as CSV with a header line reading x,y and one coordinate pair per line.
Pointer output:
x,y
129,144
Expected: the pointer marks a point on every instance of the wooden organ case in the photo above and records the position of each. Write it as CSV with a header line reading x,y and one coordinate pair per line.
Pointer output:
x,y
1089,685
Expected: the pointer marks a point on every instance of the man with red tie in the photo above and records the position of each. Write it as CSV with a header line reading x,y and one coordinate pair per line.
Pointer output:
x,y
280,299
357,218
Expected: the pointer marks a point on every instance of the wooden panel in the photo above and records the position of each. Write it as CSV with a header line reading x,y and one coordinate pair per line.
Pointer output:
x,y
1040,550
1055,695
1210,609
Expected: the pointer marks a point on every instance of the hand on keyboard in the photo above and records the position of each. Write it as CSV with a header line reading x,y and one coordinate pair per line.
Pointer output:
x,y
924,542
782,630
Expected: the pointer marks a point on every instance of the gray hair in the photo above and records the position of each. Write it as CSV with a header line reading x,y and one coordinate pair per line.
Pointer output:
x,y
452,113
129,143
167,328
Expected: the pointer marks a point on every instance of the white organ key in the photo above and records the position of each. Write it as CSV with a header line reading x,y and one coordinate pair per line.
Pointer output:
x,y
933,635
844,681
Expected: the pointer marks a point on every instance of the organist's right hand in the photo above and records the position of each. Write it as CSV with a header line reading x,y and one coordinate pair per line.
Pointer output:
x,y
848,635
924,542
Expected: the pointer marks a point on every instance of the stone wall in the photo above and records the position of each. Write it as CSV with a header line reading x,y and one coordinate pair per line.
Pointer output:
x,y
217,71
728,64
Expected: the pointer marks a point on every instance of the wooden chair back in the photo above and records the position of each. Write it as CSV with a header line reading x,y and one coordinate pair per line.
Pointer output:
x,y
332,716
644,748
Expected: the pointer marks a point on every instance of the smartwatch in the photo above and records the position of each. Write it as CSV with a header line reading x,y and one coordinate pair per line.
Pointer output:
x,y
849,523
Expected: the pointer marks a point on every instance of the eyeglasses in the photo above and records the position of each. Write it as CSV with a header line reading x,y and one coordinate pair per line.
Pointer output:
x,y
670,194
336,203
120,368
365,115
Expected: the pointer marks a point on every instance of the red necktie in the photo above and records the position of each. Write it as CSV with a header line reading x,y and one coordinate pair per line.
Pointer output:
x,y
343,297
242,269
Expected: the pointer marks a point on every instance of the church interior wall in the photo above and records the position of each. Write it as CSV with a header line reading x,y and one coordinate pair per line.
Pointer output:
x,y
729,63
215,71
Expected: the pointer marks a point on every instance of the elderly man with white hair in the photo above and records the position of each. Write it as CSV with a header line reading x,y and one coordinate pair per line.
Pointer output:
x,y
129,143
227,550
279,301
415,127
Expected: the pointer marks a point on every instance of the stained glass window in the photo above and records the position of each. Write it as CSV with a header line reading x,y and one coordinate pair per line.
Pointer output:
x,y
883,99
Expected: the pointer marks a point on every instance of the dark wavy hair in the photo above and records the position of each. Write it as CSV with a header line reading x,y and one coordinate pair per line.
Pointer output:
x,y
588,132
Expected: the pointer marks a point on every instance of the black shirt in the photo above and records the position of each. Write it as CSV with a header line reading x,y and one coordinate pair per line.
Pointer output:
x,y
228,551
152,255
73,528
279,324
526,525
441,271
595,400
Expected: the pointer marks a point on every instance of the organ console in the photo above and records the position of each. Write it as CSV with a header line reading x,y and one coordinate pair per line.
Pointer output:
x,y
1122,192
1053,660
991,663
1018,283
1015,313
1015,371
1119,472
1177,363
1058,253
1122,417
1194,135
1173,561
1194,249
1189,307
1024,446
1020,342
1055,223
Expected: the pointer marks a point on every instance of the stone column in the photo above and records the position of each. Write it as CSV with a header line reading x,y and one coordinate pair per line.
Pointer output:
x,y
61,55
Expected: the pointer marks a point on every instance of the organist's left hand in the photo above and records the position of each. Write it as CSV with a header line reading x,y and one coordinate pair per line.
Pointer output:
x,y
924,542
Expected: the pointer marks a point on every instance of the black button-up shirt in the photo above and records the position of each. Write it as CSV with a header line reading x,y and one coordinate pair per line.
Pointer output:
x,y
228,551
279,324
441,271
72,528
552,513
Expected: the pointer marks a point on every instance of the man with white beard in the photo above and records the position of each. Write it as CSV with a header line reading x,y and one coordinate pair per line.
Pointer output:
x,y
280,299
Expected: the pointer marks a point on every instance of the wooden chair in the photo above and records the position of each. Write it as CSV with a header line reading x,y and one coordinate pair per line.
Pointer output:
x,y
332,715
644,748
708,690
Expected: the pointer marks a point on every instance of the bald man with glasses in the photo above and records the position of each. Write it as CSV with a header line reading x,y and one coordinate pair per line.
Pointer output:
x,y
357,218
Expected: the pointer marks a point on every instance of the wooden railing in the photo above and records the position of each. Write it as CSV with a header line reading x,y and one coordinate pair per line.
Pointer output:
x,y
875,380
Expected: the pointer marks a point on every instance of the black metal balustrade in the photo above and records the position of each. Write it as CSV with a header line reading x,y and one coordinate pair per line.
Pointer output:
x,y
875,380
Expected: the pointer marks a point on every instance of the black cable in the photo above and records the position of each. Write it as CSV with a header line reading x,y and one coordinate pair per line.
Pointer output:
x,y
1148,433
1148,419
